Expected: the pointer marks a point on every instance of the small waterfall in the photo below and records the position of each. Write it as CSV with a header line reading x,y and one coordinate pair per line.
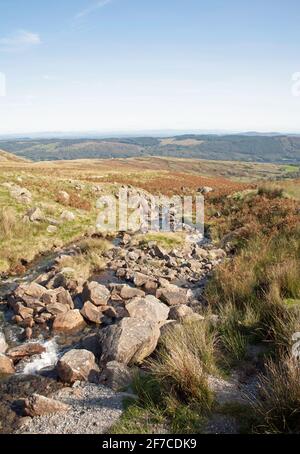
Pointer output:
x,y
47,359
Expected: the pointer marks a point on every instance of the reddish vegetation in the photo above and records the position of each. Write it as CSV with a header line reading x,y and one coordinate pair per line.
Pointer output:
x,y
75,201
177,183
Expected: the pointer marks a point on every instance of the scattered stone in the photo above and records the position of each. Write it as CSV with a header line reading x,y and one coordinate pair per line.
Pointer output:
x,y
35,214
205,190
67,216
140,279
37,405
51,229
22,195
71,321
148,308
129,341
92,313
3,344
29,292
57,308
159,252
172,295
128,292
28,332
116,375
179,312
77,365
96,293
6,365
64,196
24,350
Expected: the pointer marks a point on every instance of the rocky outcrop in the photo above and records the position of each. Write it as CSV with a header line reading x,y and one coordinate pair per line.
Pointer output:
x,y
77,365
129,341
69,322
37,405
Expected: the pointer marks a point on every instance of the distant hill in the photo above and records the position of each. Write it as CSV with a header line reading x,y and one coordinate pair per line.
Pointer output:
x,y
281,149
9,157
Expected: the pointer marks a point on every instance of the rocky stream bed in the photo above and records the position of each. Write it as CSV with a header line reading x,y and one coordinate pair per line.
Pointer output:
x,y
68,346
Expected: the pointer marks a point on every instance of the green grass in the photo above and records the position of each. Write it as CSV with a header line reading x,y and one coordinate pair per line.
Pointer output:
x,y
167,241
155,411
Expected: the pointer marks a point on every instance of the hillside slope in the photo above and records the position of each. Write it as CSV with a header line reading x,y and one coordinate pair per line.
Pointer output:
x,y
9,157
281,149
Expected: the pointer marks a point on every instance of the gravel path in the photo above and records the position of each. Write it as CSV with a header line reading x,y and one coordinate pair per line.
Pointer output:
x,y
95,409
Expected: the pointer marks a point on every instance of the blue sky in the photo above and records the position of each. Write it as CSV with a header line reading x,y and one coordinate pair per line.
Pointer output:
x,y
111,65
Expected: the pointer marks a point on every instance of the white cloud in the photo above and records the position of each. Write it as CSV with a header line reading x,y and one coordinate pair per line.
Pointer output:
x,y
19,41
91,8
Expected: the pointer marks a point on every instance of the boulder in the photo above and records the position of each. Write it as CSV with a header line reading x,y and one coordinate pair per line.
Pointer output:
x,y
128,292
22,195
24,350
77,365
6,365
92,313
205,190
129,341
3,344
95,293
90,342
172,295
29,292
69,322
148,308
67,216
116,375
51,229
57,308
35,214
64,297
179,312
23,311
159,252
140,279
37,405
63,196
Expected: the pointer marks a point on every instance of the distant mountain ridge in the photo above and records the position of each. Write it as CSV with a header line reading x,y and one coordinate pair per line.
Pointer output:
x,y
252,147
